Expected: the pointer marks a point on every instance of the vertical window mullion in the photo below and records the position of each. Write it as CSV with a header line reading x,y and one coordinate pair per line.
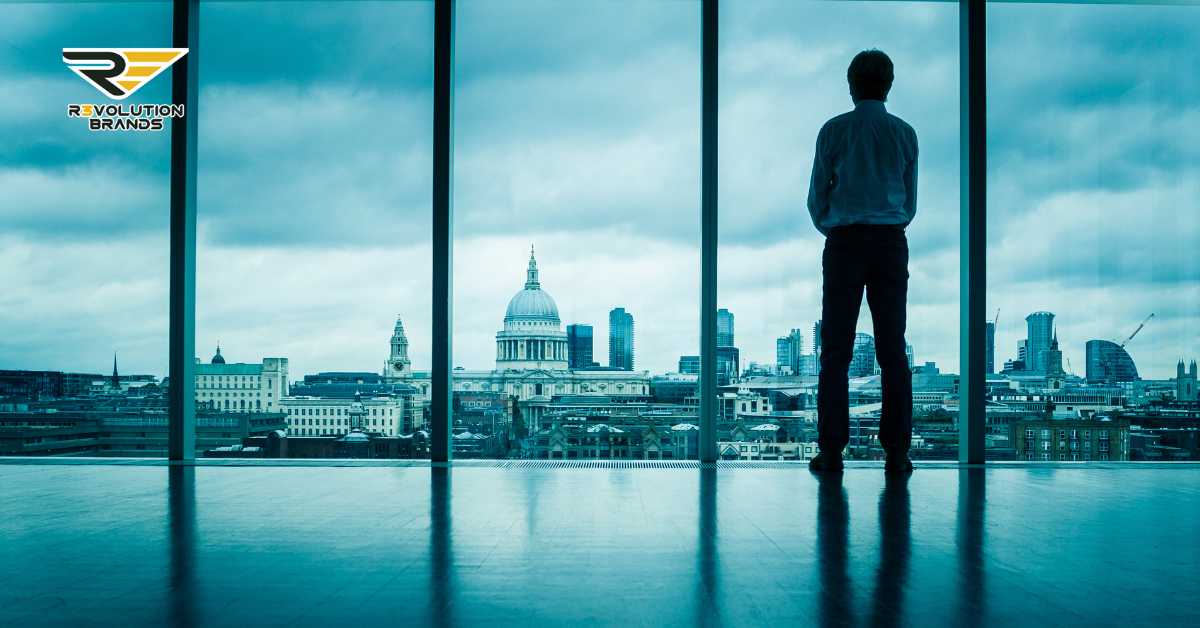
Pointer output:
x,y
708,233
973,233
181,404
441,384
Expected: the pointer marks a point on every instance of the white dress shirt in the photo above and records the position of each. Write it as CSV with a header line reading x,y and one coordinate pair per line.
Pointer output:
x,y
865,170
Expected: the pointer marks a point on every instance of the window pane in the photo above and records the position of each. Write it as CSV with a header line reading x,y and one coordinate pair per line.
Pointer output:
x,y
576,143
83,240
314,225
782,76
1094,225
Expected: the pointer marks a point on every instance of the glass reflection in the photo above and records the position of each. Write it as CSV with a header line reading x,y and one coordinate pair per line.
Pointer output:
x,y
833,545
895,550
441,551
707,559
971,574
181,512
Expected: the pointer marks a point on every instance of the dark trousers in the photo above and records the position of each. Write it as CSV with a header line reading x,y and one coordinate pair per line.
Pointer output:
x,y
874,257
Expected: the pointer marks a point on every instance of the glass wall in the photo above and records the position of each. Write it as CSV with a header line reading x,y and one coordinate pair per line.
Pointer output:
x,y
1093,230
782,74
313,239
577,231
576,158
83,235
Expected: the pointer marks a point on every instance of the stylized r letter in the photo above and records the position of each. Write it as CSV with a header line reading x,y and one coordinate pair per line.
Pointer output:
x,y
98,66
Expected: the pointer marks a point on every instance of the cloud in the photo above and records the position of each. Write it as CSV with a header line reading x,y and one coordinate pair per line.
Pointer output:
x,y
318,166
577,129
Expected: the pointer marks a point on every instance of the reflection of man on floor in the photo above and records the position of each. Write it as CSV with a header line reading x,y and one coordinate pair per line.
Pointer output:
x,y
862,195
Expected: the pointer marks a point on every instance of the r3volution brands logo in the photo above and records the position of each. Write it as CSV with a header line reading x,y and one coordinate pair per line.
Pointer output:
x,y
118,73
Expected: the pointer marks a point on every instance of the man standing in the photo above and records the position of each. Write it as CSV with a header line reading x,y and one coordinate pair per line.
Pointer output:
x,y
862,195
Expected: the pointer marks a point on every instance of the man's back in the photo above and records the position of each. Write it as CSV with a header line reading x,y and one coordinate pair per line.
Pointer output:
x,y
864,170
862,196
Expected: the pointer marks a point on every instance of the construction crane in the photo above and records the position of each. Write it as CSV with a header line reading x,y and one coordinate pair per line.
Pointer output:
x,y
1139,328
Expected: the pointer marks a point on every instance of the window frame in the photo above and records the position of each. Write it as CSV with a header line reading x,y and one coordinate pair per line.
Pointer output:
x,y
972,216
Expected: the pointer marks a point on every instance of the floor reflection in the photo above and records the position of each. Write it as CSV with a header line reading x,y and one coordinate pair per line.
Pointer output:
x,y
895,550
970,540
835,603
441,551
181,513
707,559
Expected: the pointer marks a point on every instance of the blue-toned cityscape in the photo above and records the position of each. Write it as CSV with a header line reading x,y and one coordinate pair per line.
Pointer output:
x,y
547,398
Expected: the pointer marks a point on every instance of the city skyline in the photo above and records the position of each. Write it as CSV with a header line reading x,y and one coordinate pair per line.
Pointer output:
x,y
299,258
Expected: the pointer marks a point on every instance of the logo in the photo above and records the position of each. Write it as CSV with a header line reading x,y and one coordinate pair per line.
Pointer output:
x,y
118,73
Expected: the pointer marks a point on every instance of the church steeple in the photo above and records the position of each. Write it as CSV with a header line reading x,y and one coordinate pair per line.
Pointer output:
x,y
398,364
531,275
116,379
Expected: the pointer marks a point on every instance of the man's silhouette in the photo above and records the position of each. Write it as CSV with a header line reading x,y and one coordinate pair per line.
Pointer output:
x,y
862,195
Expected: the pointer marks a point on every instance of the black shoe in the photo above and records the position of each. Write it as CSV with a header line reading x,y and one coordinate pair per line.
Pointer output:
x,y
826,461
897,462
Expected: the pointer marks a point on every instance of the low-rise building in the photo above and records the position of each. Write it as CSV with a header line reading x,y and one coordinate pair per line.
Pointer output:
x,y
241,387
1082,440
329,409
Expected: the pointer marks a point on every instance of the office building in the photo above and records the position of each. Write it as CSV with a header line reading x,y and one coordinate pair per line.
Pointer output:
x,y
1040,329
579,346
689,364
620,339
241,387
725,328
337,409
789,350
674,388
863,363
135,430
1108,363
1083,440
729,364
989,340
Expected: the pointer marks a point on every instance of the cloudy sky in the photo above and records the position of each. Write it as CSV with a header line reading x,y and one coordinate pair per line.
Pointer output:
x,y
577,131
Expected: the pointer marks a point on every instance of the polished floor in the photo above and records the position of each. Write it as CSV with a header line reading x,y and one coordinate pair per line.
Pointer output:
x,y
138,545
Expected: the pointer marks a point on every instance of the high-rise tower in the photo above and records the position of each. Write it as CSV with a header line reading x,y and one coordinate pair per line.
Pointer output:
x,y
725,328
989,347
1040,328
579,346
620,339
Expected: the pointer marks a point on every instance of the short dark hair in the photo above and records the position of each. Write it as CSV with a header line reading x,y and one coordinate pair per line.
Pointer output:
x,y
870,75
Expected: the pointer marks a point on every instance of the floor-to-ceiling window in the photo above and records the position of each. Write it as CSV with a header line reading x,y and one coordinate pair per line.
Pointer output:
x,y
782,75
576,161
313,240
83,231
1093,231
576,229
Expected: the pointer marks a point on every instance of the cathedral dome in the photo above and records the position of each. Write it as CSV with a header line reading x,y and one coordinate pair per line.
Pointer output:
x,y
218,358
532,304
